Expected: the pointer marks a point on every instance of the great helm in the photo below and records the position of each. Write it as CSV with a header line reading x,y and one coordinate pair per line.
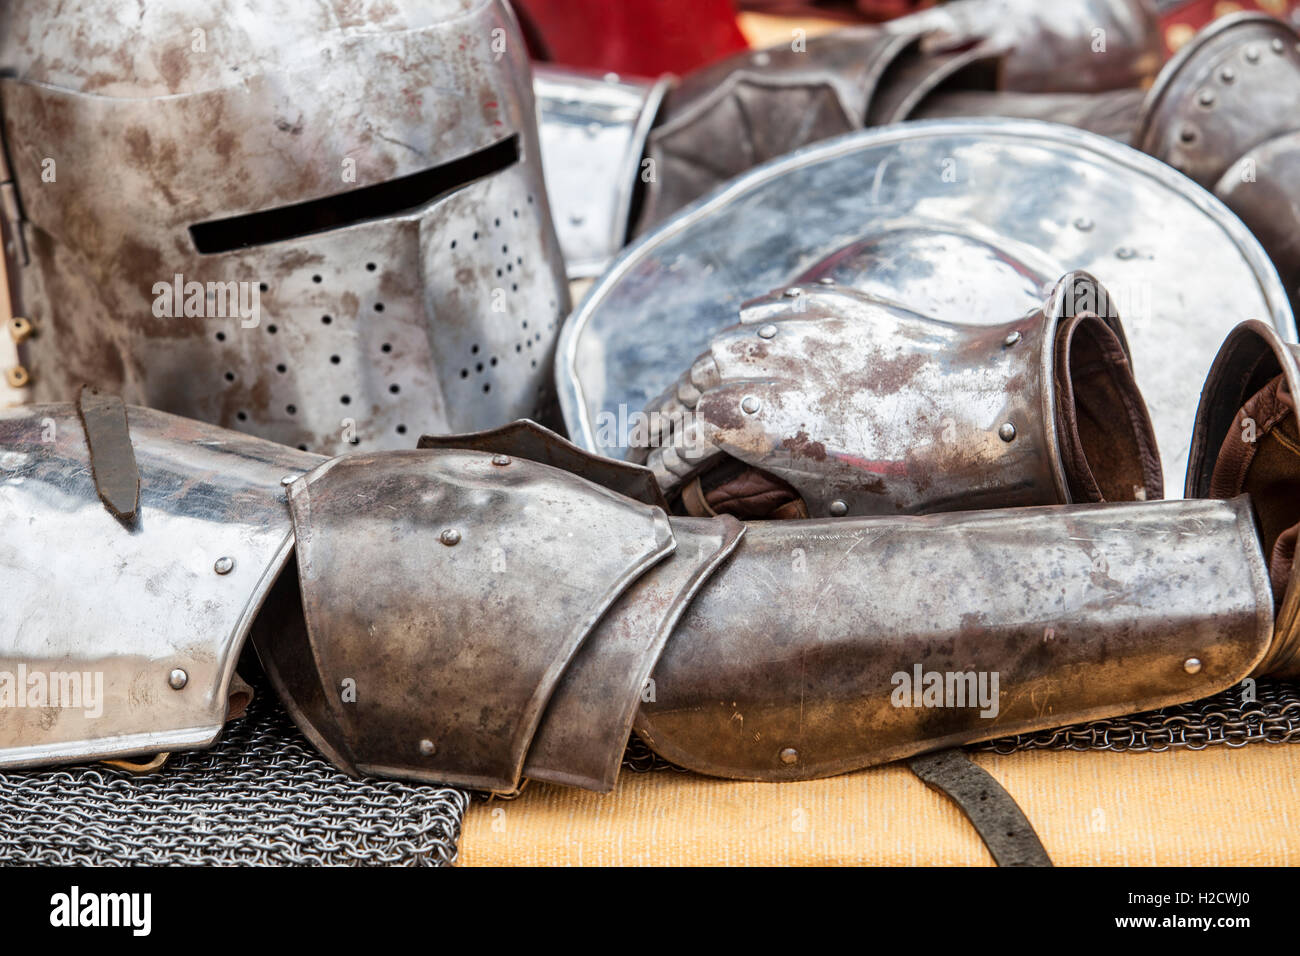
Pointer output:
x,y
322,223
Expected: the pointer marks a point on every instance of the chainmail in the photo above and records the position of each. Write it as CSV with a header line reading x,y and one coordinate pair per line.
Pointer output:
x,y
261,796
1273,716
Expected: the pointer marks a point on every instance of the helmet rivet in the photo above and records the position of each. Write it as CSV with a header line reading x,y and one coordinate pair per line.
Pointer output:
x,y
1187,134
450,537
1227,74
1277,45
838,508
767,332
1083,224
827,280
1252,54
789,755
501,460
1124,252
793,292
1013,338
1205,97
426,747
750,405
177,679
762,58
224,565
1192,665
1007,431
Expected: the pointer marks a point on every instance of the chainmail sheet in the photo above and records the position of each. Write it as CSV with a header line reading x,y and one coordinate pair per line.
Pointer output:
x,y
261,796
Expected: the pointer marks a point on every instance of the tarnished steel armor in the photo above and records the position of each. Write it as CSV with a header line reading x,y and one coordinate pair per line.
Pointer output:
x,y
729,117
593,130
1077,45
964,221
1231,89
1223,111
120,635
332,233
1078,610
861,407
1247,441
451,664
473,616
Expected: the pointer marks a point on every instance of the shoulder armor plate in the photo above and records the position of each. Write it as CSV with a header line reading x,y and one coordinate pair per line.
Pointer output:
x,y
445,594
140,619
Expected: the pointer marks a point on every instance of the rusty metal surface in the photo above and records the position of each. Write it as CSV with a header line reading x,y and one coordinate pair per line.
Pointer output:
x,y
108,445
967,221
1231,89
864,407
90,600
582,737
1082,611
449,591
1252,355
440,317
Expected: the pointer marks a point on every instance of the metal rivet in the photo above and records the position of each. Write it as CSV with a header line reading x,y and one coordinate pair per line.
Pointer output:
x,y
793,292
789,755
750,405
1083,224
1187,134
1007,431
450,537
177,679
426,747
767,332
1192,665
1277,46
501,460
1205,97
17,376
1252,54
224,565
287,480
827,280
762,59
1227,74
611,77
838,508
1124,252
1012,339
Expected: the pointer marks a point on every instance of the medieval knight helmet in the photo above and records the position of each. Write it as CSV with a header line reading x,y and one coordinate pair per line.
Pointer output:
x,y
316,223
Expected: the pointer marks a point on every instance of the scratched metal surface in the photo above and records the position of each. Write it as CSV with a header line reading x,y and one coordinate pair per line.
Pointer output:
x,y
1027,202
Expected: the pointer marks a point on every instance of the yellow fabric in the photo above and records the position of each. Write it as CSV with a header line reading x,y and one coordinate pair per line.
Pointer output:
x,y
1179,808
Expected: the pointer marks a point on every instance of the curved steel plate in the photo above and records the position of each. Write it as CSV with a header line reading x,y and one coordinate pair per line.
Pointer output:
x,y
965,220
95,601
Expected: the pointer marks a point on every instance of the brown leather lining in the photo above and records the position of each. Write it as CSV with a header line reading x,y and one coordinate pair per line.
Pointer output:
x,y
1260,455
1108,447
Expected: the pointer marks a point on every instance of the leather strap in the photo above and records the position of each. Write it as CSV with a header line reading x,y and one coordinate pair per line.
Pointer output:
x,y
112,459
1001,824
